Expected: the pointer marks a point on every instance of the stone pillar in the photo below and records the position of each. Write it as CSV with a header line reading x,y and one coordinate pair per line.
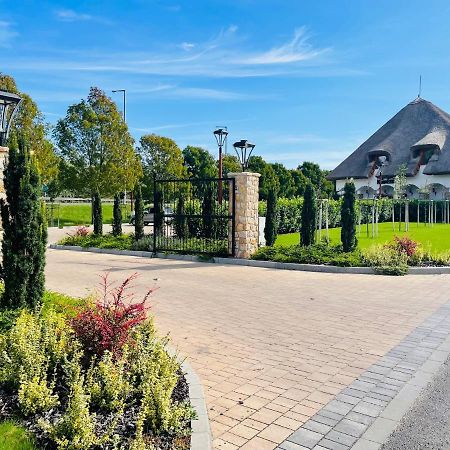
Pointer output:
x,y
246,196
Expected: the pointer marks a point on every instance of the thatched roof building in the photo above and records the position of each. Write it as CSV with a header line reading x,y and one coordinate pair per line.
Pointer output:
x,y
417,139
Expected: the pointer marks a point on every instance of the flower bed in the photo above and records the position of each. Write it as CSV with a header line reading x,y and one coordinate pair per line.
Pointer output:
x,y
127,242
95,378
392,258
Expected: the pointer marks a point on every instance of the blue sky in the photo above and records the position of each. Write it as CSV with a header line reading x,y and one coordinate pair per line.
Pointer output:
x,y
303,80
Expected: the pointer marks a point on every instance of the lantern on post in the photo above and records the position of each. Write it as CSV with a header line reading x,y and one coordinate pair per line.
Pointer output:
x,y
243,150
8,108
221,138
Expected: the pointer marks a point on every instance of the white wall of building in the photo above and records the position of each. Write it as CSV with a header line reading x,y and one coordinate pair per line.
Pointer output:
x,y
368,187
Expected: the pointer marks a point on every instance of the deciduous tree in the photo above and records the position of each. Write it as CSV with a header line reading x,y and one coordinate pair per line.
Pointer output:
x,y
199,163
96,147
161,157
29,121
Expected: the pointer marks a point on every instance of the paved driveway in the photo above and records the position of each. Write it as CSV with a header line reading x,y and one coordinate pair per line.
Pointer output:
x,y
271,346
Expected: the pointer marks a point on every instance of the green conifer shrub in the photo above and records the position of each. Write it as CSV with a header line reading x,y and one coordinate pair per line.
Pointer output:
x,y
181,226
309,212
271,228
138,214
117,217
97,214
348,218
25,230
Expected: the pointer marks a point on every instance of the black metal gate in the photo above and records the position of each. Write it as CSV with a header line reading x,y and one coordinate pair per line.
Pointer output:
x,y
194,216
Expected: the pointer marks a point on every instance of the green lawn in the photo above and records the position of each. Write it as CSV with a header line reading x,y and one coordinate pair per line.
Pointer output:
x,y
14,437
435,238
80,213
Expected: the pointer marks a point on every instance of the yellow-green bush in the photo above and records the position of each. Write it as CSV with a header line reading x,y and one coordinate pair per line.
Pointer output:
x,y
386,260
71,395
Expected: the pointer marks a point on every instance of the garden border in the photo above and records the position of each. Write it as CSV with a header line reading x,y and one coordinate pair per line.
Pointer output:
x,y
434,270
201,437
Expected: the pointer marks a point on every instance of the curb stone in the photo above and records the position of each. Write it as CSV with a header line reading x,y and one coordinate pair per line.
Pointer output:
x,y
250,262
201,437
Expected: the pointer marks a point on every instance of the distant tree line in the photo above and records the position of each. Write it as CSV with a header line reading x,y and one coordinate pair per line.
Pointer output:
x,y
91,153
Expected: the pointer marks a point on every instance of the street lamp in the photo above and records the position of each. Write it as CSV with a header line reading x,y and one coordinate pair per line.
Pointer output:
x,y
124,92
8,109
221,138
243,150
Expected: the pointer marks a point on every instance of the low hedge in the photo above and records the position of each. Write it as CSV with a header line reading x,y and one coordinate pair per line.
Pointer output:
x,y
389,259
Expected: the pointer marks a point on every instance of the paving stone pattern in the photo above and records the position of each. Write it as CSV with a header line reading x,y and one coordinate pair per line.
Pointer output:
x,y
271,347
340,423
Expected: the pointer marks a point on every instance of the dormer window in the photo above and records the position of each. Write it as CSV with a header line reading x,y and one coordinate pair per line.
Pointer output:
x,y
423,153
379,158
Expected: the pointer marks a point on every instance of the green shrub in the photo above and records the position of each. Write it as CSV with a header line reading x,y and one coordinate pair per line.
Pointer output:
x,y
24,230
386,260
270,230
321,253
138,214
117,217
97,213
348,219
78,403
309,212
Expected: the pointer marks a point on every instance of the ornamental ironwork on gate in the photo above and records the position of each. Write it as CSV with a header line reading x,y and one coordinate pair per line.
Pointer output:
x,y
194,216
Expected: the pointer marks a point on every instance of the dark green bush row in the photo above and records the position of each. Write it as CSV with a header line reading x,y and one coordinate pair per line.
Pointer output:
x,y
321,253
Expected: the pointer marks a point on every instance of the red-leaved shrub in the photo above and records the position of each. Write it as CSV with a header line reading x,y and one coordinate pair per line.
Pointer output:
x,y
404,245
106,325
80,231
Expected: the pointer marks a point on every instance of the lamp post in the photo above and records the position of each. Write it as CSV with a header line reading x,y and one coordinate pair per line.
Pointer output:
x,y
124,92
221,138
8,109
244,150
124,115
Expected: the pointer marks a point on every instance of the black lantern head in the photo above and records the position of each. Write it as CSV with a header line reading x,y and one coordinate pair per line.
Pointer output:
x,y
8,108
221,136
244,150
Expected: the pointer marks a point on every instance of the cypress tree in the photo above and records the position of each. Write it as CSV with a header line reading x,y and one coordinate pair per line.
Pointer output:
x,y
181,228
159,212
97,215
138,214
271,228
24,231
348,219
207,213
117,217
308,220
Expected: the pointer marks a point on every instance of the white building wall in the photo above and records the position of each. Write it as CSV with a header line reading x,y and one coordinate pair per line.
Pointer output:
x,y
420,180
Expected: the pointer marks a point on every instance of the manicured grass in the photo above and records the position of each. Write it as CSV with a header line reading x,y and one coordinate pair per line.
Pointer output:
x,y
15,437
435,238
80,213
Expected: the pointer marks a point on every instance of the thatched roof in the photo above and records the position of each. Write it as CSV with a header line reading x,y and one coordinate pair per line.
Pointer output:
x,y
420,125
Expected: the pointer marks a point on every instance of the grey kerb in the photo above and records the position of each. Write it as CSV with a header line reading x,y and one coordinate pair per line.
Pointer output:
x,y
364,414
251,263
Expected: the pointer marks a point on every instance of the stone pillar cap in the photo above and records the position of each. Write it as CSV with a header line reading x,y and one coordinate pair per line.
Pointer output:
x,y
3,149
246,174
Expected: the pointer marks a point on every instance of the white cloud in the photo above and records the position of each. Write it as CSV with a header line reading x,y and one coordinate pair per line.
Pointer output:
x,y
296,50
223,56
186,46
6,34
69,15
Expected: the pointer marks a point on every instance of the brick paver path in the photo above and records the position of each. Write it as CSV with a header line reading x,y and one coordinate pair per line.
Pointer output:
x,y
272,347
